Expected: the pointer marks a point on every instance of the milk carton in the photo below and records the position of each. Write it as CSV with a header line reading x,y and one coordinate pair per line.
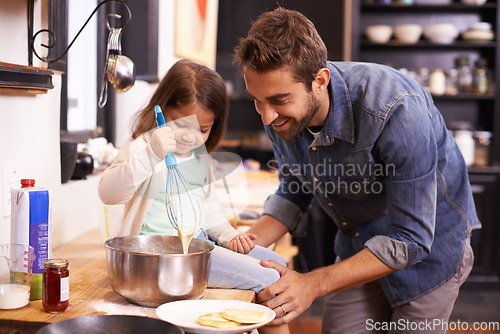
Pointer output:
x,y
31,217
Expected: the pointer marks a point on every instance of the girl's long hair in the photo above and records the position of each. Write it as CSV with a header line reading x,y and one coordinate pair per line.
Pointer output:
x,y
187,82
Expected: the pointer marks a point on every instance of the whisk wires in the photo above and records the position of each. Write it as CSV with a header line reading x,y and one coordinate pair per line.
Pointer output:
x,y
179,195
177,189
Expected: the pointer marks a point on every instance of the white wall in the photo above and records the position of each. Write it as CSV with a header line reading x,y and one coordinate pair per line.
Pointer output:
x,y
29,125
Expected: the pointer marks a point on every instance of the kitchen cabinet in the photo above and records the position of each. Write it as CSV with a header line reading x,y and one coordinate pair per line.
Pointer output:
x,y
485,188
482,111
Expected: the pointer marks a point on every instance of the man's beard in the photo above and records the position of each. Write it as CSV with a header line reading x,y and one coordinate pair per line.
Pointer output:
x,y
300,124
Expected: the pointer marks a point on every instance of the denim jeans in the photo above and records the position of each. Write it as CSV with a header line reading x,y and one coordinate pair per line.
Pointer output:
x,y
231,270
365,309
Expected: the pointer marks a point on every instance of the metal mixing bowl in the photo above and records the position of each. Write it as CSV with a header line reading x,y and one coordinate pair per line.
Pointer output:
x,y
151,270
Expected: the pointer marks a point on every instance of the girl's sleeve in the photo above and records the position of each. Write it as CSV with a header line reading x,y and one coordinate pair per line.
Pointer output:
x,y
134,164
219,229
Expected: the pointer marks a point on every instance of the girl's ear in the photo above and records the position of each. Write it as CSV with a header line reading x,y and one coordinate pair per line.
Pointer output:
x,y
321,80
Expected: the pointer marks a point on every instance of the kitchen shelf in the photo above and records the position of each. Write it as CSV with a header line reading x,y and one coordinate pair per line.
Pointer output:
x,y
464,96
25,79
459,44
453,7
485,170
481,110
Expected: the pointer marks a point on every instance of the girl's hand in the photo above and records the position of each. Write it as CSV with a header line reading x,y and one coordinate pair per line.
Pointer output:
x,y
242,243
163,141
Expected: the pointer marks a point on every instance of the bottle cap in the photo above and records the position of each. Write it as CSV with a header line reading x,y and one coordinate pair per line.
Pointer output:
x,y
462,61
55,263
483,134
482,62
25,183
460,125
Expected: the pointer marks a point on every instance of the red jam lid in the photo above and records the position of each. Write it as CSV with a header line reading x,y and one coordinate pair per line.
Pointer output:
x,y
25,183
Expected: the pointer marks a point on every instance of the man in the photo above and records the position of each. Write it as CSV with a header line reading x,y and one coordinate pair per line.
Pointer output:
x,y
370,146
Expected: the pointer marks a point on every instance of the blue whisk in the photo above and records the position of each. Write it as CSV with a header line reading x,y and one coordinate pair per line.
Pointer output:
x,y
177,188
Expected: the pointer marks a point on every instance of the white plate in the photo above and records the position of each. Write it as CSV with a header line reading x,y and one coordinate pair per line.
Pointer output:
x,y
185,313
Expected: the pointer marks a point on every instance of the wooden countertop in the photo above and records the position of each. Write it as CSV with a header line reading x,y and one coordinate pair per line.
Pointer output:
x,y
90,292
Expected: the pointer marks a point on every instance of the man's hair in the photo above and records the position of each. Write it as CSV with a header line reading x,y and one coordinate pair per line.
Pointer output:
x,y
283,38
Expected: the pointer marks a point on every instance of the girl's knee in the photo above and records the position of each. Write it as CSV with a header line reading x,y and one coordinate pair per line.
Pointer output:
x,y
270,276
262,253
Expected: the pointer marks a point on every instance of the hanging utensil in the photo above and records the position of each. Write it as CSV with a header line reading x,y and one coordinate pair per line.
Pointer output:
x,y
110,50
118,69
121,70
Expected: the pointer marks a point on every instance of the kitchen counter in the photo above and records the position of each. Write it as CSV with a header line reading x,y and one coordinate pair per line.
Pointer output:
x,y
90,292
246,190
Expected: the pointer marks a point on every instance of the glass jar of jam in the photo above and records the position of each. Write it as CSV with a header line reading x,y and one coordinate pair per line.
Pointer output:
x,y
55,285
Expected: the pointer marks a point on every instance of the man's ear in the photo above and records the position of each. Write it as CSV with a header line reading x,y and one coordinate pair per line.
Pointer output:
x,y
321,80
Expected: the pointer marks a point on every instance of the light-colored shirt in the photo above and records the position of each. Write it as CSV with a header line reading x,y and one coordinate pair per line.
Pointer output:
x,y
135,179
190,199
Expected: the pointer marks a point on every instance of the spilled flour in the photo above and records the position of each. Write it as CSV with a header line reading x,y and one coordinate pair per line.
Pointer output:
x,y
106,307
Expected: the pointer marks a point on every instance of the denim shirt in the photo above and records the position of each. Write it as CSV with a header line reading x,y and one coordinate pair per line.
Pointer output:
x,y
388,173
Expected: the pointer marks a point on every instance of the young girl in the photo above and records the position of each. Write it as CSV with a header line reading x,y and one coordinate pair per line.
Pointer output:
x,y
194,103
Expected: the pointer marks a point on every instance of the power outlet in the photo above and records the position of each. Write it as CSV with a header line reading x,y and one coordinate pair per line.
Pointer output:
x,y
12,174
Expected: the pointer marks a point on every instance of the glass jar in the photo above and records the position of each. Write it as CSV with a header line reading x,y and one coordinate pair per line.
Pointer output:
x,y
466,145
437,82
423,77
480,78
464,75
55,285
452,81
482,148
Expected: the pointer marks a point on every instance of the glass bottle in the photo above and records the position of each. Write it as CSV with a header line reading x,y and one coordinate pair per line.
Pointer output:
x,y
423,77
55,285
437,82
452,81
466,145
482,148
404,2
480,78
464,75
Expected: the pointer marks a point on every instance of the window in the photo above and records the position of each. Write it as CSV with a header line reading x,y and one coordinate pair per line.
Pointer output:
x,y
82,68
84,63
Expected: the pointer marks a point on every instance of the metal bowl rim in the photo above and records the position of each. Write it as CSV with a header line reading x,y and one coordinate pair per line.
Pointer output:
x,y
106,244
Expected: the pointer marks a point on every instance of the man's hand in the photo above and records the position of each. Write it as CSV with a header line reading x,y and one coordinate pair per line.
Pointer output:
x,y
294,293
242,243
